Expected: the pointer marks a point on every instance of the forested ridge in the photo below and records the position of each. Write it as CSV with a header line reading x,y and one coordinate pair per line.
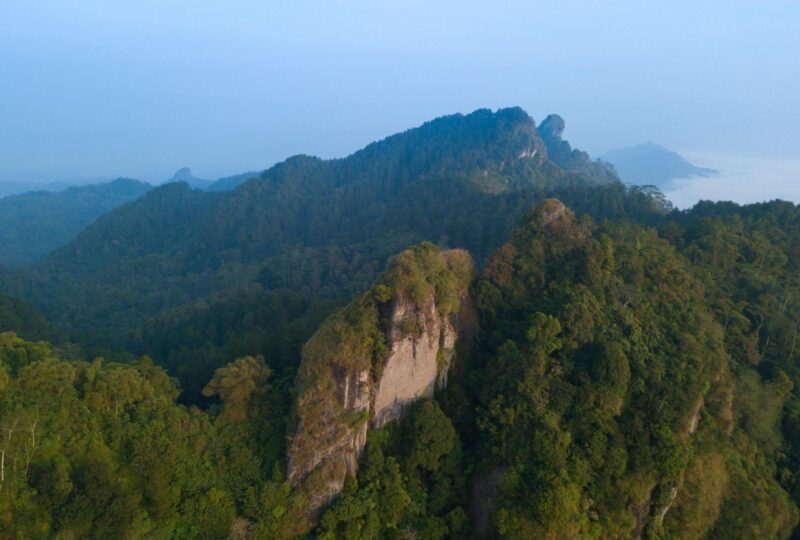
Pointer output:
x,y
316,228
633,373
34,224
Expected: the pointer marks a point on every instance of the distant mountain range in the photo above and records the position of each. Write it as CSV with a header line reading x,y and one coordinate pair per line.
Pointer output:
x,y
223,184
306,230
325,226
15,188
652,164
35,223
185,175
231,182
37,218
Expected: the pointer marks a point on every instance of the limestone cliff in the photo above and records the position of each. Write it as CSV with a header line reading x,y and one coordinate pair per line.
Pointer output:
x,y
390,347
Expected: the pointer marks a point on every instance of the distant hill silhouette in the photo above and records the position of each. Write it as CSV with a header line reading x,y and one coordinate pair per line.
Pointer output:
x,y
226,183
184,174
15,188
650,163
35,223
232,182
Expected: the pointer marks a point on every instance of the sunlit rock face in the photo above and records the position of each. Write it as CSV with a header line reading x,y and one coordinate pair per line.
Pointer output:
x,y
347,383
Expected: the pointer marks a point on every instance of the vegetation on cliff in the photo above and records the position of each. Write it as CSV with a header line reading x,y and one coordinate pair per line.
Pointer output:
x,y
635,372
342,363
625,380
619,387
599,354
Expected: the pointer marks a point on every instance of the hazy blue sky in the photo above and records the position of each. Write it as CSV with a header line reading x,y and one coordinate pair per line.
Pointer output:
x,y
99,88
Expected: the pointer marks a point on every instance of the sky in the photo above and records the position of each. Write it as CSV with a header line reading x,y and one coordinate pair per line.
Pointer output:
x,y
141,88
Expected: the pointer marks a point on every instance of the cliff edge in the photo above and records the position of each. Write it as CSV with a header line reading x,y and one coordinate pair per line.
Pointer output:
x,y
389,348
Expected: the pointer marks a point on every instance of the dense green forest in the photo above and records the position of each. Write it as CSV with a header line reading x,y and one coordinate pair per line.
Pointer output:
x,y
21,318
634,371
314,228
34,224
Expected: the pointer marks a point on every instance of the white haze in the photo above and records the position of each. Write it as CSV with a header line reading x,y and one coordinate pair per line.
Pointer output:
x,y
740,179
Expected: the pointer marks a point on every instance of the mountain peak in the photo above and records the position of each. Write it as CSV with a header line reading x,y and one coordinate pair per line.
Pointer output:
x,y
552,128
560,152
184,174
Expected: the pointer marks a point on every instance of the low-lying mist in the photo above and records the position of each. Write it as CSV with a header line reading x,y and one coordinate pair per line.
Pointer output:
x,y
740,179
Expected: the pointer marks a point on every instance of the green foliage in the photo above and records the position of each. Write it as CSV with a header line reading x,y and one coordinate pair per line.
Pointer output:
x,y
424,272
102,451
353,343
603,350
625,380
430,436
22,319
193,341
236,383
596,345
321,228
410,484
276,511
34,224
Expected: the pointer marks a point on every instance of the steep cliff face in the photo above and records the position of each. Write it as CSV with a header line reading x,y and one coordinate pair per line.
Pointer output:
x,y
418,362
391,347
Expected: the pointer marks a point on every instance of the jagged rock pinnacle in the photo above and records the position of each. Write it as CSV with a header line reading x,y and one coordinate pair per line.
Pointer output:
x,y
552,127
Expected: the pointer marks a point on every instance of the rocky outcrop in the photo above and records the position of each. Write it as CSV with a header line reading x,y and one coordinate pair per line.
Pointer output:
x,y
560,152
417,363
391,347
552,129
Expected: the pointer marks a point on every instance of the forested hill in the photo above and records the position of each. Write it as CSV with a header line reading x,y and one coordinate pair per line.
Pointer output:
x,y
232,182
34,224
593,380
22,319
571,159
323,227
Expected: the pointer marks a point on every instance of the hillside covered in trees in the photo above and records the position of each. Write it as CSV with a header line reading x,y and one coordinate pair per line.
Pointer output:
x,y
308,356
306,231
283,228
35,223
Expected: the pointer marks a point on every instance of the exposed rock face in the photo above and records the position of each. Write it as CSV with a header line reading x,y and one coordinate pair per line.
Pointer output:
x,y
364,367
552,128
560,152
417,362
